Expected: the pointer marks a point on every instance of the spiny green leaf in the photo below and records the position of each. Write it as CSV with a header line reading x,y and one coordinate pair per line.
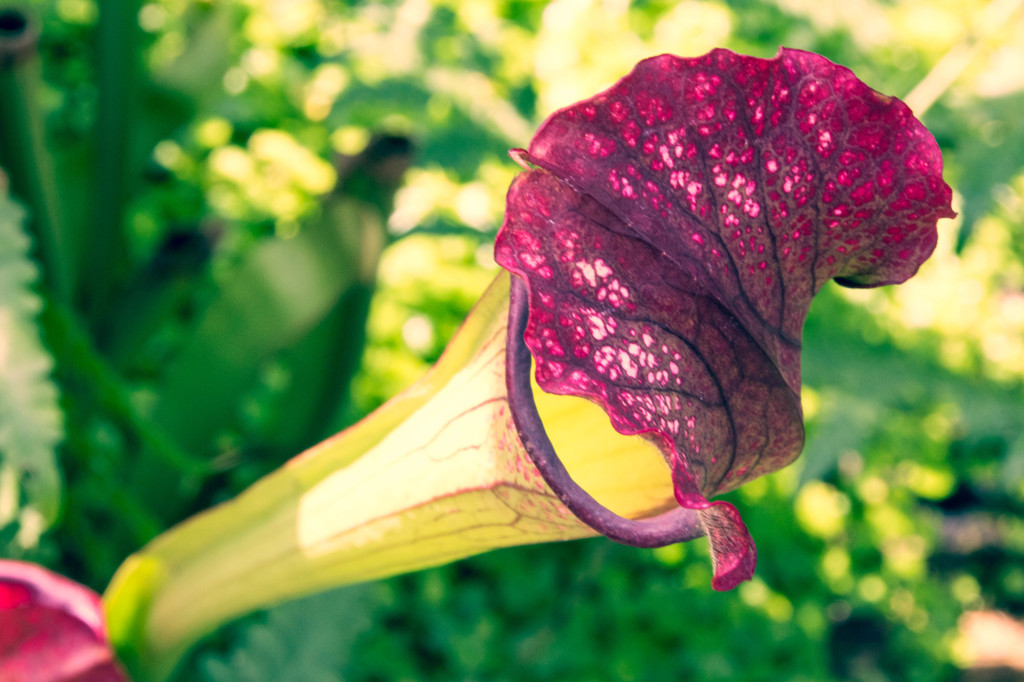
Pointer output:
x,y
31,423
307,639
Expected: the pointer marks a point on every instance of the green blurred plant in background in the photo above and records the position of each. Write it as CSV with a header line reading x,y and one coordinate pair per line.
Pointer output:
x,y
289,208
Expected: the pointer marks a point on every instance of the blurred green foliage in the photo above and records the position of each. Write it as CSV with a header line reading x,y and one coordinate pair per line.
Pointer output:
x,y
246,275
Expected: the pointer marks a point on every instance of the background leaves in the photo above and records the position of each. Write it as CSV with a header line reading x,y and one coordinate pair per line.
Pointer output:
x,y
871,547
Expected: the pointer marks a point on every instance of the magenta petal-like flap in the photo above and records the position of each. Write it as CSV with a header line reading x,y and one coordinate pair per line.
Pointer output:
x,y
51,629
673,237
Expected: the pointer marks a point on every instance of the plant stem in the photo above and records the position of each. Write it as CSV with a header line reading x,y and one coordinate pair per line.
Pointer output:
x,y
75,354
105,252
23,151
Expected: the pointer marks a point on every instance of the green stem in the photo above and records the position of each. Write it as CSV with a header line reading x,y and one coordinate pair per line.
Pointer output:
x,y
23,151
118,64
77,357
